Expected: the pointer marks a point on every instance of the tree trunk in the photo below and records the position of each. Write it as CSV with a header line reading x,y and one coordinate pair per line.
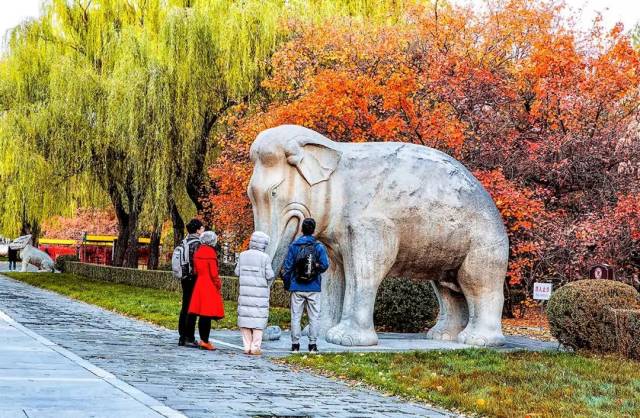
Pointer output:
x,y
123,233
507,308
198,182
154,249
131,250
178,224
32,228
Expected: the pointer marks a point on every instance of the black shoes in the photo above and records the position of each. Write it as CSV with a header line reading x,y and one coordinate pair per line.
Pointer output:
x,y
187,342
313,348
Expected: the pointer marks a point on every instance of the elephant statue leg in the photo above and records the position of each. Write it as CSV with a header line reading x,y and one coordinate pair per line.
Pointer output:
x,y
369,255
25,262
481,279
453,315
332,294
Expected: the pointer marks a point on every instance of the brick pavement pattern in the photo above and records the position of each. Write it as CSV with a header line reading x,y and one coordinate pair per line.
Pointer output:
x,y
224,383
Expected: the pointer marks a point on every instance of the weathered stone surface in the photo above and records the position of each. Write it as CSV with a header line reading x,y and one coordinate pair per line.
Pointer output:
x,y
272,333
31,255
223,383
384,209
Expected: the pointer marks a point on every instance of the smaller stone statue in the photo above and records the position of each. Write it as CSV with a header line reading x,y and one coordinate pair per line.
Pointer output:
x,y
31,255
272,333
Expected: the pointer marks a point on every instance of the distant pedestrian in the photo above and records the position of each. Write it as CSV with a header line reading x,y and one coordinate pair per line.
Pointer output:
x,y
12,255
306,260
182,264
206,301
255,276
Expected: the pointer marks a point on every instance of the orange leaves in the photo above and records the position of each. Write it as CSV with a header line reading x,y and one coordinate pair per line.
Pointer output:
x,y
521,212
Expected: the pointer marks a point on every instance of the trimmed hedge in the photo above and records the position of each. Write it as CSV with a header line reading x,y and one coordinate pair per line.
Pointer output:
x,y
581,313
62,259
155,279
402,305
628,332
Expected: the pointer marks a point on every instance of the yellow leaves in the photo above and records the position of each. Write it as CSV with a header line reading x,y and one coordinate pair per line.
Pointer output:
x,y
480,403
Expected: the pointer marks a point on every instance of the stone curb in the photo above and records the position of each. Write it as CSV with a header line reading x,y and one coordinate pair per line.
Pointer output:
x,y
136,394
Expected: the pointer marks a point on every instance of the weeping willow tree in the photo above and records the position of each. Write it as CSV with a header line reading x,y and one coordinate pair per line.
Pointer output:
x,y
121,98
32,189
98,105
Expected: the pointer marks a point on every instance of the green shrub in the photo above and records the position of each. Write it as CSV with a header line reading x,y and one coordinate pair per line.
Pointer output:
x,y
628,332
61,260
154,279
405,305
164,267
225,269
581,313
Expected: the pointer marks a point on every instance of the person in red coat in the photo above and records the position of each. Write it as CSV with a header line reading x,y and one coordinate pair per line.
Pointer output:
x,y
206,301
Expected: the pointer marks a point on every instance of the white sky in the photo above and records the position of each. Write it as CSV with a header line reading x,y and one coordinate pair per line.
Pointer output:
x,y
13,12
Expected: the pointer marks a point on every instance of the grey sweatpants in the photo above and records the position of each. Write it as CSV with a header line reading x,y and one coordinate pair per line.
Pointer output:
x,y
298,302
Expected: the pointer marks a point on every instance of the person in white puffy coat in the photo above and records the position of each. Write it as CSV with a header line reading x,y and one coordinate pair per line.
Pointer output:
x,y
256,276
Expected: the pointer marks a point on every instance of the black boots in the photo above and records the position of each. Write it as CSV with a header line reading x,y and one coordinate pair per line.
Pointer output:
x,y
295,348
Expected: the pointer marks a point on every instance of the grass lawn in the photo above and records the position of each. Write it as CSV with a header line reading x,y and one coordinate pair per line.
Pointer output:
x,y
489,383
160,307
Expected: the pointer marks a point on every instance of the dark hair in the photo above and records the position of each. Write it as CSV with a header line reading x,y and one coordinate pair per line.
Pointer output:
x,y
308,226
193,226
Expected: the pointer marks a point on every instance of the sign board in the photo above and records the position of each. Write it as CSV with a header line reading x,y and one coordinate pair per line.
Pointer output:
x,y
542,291
602,271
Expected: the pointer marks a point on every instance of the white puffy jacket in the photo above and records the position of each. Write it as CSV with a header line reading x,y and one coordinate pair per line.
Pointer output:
x,y
256,275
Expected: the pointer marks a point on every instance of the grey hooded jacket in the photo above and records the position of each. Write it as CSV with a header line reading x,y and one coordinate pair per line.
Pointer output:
x,y
256,275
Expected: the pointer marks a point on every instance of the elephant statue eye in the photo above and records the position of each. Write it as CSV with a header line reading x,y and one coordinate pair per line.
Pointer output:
x,y
274,188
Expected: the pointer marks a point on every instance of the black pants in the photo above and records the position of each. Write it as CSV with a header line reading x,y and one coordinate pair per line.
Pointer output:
x,y
204,328
187,322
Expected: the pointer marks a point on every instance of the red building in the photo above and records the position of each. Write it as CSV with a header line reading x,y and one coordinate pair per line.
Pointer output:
x,y
96,249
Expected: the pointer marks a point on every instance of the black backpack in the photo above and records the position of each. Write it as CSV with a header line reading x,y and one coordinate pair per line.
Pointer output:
x,y
306,263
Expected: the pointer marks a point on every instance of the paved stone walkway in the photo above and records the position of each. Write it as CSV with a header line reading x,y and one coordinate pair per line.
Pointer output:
x,y
41,379
224,383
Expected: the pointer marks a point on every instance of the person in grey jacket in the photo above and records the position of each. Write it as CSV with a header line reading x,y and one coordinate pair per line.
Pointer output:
x,y
256,276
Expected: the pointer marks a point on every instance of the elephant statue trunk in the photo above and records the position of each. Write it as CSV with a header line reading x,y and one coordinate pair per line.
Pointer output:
x,y
281,243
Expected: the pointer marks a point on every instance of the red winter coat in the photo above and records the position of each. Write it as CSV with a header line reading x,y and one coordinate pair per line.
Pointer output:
x,y
206,299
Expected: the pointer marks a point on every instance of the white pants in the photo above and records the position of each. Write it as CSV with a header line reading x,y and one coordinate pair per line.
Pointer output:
x,y
251,339
298,302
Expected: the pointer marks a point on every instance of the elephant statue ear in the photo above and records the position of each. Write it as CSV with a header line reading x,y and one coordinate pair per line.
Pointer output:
x,y
315,160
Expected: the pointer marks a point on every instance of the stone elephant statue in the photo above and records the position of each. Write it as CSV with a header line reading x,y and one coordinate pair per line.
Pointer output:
x,y
32,255
384,209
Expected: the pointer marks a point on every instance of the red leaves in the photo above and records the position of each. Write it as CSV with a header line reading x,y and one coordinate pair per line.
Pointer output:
x,y
521,212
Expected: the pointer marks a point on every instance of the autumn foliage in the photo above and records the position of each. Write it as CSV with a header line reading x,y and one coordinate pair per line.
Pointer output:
x,y
542,113
84,220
